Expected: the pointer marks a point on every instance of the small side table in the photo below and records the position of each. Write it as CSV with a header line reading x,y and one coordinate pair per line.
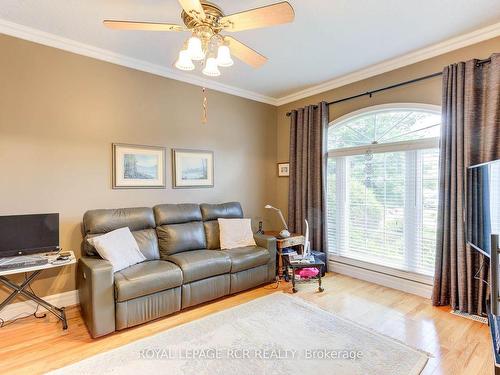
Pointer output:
x,y
295,239
21,289
319,264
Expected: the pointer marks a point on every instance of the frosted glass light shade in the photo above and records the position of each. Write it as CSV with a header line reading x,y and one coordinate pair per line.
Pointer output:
x,y
211,68
184,61
224,56
195,49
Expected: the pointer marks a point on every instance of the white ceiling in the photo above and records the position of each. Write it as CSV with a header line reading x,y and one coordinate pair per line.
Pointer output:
x,y
327,40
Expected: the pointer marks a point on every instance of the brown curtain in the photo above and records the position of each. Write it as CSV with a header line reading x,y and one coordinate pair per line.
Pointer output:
x,y
482,110
469,135
307,189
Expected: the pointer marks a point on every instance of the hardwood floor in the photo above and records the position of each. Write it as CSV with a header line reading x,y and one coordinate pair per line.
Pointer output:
x,y
459,346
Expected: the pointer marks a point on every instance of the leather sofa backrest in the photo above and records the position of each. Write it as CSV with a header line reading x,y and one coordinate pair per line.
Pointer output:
x,y
210,213
140,221
179,228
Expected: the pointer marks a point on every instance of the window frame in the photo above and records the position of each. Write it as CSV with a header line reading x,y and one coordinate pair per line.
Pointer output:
x,y
387,107
419,144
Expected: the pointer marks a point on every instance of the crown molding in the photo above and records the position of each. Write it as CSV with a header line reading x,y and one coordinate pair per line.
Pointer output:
x,y
66,44
461,41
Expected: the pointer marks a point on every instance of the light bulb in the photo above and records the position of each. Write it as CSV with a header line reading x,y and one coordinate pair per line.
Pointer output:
x,y
194,48
211,68
224,56
184,61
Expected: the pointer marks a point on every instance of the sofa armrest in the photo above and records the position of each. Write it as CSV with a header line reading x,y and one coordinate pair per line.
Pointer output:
x,y
268,242
95,280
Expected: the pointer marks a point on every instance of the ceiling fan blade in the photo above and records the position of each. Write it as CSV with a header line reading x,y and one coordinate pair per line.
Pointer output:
x,y
148,26
193,8
259,17
245,53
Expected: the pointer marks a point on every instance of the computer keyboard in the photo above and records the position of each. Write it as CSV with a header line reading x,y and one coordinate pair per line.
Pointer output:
x,y
22,262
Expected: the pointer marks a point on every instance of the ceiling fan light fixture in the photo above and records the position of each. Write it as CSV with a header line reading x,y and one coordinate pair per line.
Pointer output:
x,y
207,45
195,49
184,61
224,57
211,68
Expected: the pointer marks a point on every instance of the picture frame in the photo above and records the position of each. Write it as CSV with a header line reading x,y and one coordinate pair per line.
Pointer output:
x,y
192,168
138,166
284,169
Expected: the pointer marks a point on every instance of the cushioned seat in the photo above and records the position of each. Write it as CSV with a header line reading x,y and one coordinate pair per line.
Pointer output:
x,y
200,264
244,258
185,265
146,278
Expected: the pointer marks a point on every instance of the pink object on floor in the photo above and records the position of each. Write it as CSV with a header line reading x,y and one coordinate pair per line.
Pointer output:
x,y
307,272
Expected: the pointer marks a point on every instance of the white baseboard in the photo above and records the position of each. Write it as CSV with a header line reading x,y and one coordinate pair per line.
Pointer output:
x,y
20,309
408,286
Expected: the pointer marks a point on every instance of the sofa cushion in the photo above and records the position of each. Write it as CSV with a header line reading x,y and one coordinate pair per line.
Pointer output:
x,y
146,278
179,228
176,213
148,243
235,233
212,234
211,212
244,258
200,264
175,238
119,247
230,210
102,221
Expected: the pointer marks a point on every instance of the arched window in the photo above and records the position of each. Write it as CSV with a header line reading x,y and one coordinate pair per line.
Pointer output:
x,y
383,187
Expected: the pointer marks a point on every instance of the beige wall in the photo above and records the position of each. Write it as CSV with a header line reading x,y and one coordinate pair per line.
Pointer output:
x,y
428,91
60,112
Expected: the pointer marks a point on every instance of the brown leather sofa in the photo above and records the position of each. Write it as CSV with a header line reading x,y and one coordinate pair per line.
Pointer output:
x,y
185,265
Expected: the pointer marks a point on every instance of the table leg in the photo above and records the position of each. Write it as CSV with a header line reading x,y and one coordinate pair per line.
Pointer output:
x,y
16,288
320,288
294,290
280,263
7,300
63,319
20,289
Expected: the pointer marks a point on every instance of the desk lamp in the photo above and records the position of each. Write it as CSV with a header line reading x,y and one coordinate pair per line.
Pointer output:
x,y
283,233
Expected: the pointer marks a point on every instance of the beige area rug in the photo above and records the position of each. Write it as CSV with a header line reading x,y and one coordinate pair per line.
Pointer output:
x,y
276,334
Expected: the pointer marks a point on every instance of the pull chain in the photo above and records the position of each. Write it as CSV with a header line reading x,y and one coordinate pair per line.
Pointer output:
x,y
204,118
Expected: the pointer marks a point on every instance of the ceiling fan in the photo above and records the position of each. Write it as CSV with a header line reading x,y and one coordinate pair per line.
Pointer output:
x,y
207,45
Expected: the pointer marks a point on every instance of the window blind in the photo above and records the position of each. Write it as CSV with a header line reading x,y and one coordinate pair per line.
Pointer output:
x,y
382,208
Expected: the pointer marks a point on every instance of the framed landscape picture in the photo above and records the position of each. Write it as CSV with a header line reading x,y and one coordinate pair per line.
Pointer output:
x,y
192,168
138,167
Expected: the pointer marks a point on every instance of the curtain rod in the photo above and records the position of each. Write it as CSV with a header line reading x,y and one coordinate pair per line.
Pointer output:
x,y
370,93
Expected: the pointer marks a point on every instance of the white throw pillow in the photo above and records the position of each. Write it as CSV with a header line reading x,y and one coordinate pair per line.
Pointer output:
x,y
119,247
235,233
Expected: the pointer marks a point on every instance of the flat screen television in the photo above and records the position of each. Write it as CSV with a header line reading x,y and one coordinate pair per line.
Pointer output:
x,y
483,205
28,234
